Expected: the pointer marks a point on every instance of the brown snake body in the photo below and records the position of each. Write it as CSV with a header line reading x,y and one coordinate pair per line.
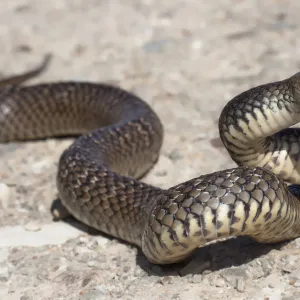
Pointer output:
x,y
122,137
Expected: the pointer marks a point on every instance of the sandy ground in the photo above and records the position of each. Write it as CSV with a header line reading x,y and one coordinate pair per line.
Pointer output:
x,y
185,58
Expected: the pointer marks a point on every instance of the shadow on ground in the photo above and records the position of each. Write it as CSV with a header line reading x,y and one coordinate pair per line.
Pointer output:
x,y
213,257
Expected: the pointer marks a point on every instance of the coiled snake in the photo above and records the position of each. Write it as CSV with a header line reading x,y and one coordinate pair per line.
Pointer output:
x,y
122,137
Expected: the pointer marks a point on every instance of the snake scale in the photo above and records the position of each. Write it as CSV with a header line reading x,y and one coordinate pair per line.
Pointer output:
x,y
119,141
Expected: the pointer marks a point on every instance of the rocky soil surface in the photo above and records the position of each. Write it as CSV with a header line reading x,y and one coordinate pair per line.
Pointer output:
x,y
185,58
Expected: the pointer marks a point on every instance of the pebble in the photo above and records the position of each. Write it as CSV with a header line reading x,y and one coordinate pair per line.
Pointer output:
x,y
86,280
266,267
197,278
290,263
4,252
297,284
165,280
101,241
219,282
161,173
240,285
92,263
82,250
138,272
4,273
84,240
58,269
33,226
234,274
41,166
5,195
175,154
295,275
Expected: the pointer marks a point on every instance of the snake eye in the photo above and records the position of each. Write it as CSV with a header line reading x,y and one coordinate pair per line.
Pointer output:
x,y
295,189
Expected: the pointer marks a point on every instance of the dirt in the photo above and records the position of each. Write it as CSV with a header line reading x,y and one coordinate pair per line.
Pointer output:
x,y
186,59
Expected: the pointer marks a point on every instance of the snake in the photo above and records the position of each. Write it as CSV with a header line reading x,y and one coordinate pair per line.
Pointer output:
x,y
119,139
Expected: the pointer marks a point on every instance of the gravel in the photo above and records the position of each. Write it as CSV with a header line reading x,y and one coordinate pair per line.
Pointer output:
x,y
186,59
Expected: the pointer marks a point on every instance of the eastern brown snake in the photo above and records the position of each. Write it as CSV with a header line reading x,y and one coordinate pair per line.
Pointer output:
x,y
122,137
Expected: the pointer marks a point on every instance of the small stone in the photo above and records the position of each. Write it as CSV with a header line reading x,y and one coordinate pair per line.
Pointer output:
x,y
195,266
291,282
197,44
165,280
101,241
266,267
175,297
5,195
83,240
289,263
232,275
297,284
295,275
139,272
82,250
4,273
86,281
23,48
92,263
240,285
219,282
287,269
161,173
206,272
175,154
22,8
4,253
32,226
39,166
79,49
197,278
126,269
58,270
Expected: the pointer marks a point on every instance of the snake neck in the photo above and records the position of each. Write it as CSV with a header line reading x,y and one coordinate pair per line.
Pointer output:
x,y
235,202
253,128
